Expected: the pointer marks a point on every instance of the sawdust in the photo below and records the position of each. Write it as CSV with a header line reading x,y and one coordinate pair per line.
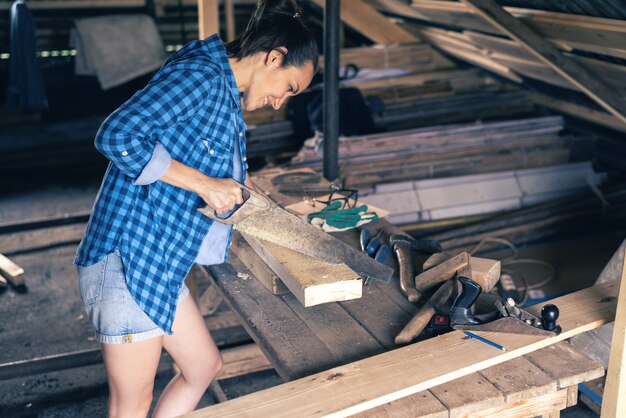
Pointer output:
x,y
287,230
280,227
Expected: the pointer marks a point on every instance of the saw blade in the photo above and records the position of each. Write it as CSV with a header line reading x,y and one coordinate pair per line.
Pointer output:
x,y
287,230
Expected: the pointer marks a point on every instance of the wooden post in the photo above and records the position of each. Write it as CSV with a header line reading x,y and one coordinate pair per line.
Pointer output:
x,y
549,54
229,9
208,18
614,399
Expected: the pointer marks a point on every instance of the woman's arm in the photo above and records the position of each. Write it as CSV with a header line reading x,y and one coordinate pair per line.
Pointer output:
x,y
220,194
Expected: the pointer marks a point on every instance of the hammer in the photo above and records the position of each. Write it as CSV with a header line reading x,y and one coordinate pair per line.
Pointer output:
x,y
403,246
417,324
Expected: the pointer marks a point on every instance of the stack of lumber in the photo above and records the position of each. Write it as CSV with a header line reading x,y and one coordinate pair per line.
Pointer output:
x,y
408,58
444,198
441,151
412,57
443,109
590,209
409,87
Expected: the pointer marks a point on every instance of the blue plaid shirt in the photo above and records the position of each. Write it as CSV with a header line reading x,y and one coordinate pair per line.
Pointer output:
x,y
191,109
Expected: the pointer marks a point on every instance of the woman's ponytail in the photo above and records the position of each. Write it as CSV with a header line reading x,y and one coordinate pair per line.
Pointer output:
x,y
274,24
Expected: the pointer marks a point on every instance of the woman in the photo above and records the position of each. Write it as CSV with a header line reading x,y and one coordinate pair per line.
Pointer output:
x,y
175,146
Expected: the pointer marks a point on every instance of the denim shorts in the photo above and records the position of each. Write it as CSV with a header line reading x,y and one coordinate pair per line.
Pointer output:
x,y
108,303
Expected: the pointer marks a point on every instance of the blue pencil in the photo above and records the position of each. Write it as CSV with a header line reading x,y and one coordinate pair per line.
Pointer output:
x,y
486,341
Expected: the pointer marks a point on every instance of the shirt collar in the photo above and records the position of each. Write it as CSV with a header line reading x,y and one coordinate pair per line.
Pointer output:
x,y
217,50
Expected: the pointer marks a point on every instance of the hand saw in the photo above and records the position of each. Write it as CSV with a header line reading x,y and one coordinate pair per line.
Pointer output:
x,y
262,218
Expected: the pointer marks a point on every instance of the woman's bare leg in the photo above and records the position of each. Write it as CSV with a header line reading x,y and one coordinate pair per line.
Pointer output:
x,y
131,369
195,353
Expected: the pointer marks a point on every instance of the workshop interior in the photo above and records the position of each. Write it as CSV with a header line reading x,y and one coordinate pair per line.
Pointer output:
x,y
434,227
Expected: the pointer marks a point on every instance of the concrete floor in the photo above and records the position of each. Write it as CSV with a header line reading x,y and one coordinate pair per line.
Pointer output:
x,y
48,319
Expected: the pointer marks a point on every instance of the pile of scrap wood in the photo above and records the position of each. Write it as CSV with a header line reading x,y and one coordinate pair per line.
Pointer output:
x,y
566,31
509,59
441,151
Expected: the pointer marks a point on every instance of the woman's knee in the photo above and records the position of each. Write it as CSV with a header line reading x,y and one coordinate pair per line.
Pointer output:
x,y
205,371
122,405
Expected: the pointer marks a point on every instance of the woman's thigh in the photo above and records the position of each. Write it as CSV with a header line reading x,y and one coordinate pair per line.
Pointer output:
x,y
191,345
131,369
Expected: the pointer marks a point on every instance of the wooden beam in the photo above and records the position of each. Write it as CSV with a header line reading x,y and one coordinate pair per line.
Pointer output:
x,y
368,21
579,111
614,399
358,386
229,9
242,360
567,31
485,272
546,52
311,281
208,18
11,271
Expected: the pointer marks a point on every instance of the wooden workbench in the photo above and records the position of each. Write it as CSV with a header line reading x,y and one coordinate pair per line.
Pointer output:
x,y
301,341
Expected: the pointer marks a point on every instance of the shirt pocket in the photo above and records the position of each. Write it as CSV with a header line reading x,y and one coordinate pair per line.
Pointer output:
x,y
91,282
218,158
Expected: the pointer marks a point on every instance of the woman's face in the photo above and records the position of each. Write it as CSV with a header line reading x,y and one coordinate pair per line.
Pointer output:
x,y
272,84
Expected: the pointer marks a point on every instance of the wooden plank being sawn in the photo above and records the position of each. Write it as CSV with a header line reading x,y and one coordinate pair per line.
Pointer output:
x,y
310,280
256,265
348,389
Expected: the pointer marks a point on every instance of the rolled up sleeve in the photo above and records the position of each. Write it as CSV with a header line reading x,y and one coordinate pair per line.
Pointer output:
x,y
156,167
129,136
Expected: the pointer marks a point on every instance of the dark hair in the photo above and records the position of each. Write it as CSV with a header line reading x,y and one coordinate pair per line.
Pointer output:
x,y
276,23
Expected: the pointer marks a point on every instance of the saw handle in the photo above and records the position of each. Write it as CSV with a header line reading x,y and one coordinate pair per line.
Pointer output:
x,y
228,218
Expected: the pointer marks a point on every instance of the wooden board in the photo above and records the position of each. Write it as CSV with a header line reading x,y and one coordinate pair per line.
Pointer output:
x,y
485,272
615,387
369,22
519,379
298,341
242,360
566,364
348,389
256,265
312,281
208,18
285,340
289,231
565,30
11,271
423,405
546,406
467,394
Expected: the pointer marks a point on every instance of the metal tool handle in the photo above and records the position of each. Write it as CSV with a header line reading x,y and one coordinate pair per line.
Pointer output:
x,y
469,293
460,313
